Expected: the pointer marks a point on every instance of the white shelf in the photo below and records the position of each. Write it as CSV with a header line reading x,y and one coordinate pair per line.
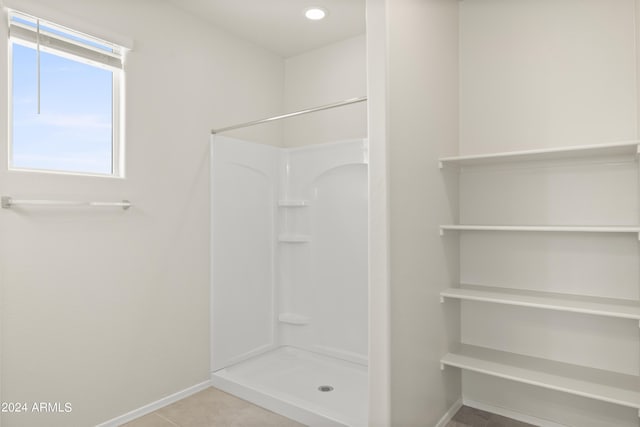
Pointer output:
x,y
612,149
596,384
545,300
294,238
294,319
293,203
543,228
602,385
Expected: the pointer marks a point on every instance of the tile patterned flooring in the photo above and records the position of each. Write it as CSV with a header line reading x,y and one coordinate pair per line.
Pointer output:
x,y
470,417
214,408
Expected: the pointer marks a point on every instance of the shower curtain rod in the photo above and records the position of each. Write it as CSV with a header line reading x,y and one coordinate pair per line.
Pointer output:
x,y
286,116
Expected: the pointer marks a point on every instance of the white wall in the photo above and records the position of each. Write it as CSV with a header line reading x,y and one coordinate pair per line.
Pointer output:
x,y
547,73
538,74
422,114
379,283
323,76
109,309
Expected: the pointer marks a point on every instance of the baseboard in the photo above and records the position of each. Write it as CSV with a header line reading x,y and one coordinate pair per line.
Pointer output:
x,y
450,413
511,414
154,406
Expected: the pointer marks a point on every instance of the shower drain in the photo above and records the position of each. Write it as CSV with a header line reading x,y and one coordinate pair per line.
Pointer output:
x,y
325,388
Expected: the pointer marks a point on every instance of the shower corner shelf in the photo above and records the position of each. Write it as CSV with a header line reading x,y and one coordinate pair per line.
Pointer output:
x,y
594,150
293,203
294,238
294,319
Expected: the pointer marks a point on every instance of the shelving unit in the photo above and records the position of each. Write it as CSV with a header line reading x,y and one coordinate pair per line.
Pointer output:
x,y
607,386
597,384
607,307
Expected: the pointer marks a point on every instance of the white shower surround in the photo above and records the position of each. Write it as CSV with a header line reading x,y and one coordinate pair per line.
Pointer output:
x,y
290,277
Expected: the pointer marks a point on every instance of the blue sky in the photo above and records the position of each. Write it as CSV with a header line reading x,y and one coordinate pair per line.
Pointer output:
x,y
73,131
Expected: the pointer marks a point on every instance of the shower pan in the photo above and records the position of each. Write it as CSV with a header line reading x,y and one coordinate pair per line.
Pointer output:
x,y
289,290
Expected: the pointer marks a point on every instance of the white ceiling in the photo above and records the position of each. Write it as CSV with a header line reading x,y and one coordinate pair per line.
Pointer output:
x,y
280,25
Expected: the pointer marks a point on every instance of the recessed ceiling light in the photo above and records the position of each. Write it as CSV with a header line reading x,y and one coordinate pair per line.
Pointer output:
x,y
315,13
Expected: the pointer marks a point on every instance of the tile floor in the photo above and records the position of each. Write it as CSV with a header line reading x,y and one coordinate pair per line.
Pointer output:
x,y
470,417
215,408
212,408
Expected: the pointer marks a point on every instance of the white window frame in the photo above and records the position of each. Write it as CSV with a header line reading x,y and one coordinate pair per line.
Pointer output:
x,y
117,97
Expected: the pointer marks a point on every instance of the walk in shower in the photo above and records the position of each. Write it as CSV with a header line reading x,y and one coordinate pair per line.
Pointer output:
x,y
290,277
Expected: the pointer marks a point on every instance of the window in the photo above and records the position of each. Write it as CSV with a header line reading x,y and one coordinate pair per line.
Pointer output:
x,y
65,98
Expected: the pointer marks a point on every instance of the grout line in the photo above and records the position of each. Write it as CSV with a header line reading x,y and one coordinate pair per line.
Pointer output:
x,y
170,421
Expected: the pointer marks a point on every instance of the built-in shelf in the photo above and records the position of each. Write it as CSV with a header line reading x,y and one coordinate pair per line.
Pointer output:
x,y
612,149
589,382
294,238
294,319
293,203
608,307
543,228
597,384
